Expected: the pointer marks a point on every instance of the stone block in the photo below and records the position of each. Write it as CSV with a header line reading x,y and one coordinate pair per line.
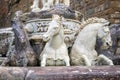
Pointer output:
x,y
74,73
61,73
115,21
89,12
12,73
101,1
115,3
116,15
101,9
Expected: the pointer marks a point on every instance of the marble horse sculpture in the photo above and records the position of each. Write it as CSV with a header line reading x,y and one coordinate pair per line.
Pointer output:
x,y
35,6
83,51
23,54
111,52
55,47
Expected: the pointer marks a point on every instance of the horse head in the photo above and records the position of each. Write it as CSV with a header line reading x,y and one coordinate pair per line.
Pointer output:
x,y
104,34
53,29
18,31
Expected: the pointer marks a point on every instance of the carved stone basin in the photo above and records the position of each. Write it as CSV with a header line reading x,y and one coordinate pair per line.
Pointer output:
x,y
57,73
40,26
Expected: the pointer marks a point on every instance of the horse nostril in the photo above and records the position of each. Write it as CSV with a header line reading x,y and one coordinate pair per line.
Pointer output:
x,y
45,38
107,44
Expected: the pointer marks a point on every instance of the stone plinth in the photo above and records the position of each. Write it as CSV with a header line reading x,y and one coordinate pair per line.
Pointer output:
x,y
60,73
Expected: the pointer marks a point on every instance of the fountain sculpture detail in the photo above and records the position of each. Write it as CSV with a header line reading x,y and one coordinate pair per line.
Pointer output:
x,y
30,30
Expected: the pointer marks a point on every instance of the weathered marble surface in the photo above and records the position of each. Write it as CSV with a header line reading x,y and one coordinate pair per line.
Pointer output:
x,y
12,73
60,73
83,50
55,47
59,9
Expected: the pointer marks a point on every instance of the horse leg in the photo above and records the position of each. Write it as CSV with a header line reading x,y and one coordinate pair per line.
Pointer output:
x,y
87,61
43,62
103,57
67,61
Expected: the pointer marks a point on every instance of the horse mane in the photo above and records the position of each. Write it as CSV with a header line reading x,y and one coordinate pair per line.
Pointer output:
x,y
93,20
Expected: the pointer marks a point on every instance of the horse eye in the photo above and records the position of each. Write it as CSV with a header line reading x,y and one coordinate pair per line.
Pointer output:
x,y
55,27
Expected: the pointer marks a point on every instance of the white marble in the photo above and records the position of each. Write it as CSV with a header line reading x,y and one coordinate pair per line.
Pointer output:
x,y
55,47
83,51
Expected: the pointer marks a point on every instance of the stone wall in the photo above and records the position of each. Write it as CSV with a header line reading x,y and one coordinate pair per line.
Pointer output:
x,y
3,13
109,9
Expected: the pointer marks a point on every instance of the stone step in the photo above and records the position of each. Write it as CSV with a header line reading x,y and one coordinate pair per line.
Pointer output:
x,y
60,73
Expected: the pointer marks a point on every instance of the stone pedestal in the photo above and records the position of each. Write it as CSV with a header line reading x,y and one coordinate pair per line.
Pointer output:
x,y
60,73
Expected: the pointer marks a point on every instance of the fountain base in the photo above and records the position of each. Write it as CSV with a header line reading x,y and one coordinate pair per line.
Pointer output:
x,y
60,73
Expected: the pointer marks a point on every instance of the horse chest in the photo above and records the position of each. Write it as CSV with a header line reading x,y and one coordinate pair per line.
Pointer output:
x,y
55,53
56,43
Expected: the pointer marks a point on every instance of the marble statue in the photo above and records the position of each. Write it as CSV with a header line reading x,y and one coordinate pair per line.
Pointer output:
x,y
23,54
48,3
56,35
55,47
111,52
83,51
35,6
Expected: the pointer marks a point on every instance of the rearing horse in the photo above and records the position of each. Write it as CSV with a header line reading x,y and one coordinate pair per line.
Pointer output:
x,y
83,51
23,54
55,47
